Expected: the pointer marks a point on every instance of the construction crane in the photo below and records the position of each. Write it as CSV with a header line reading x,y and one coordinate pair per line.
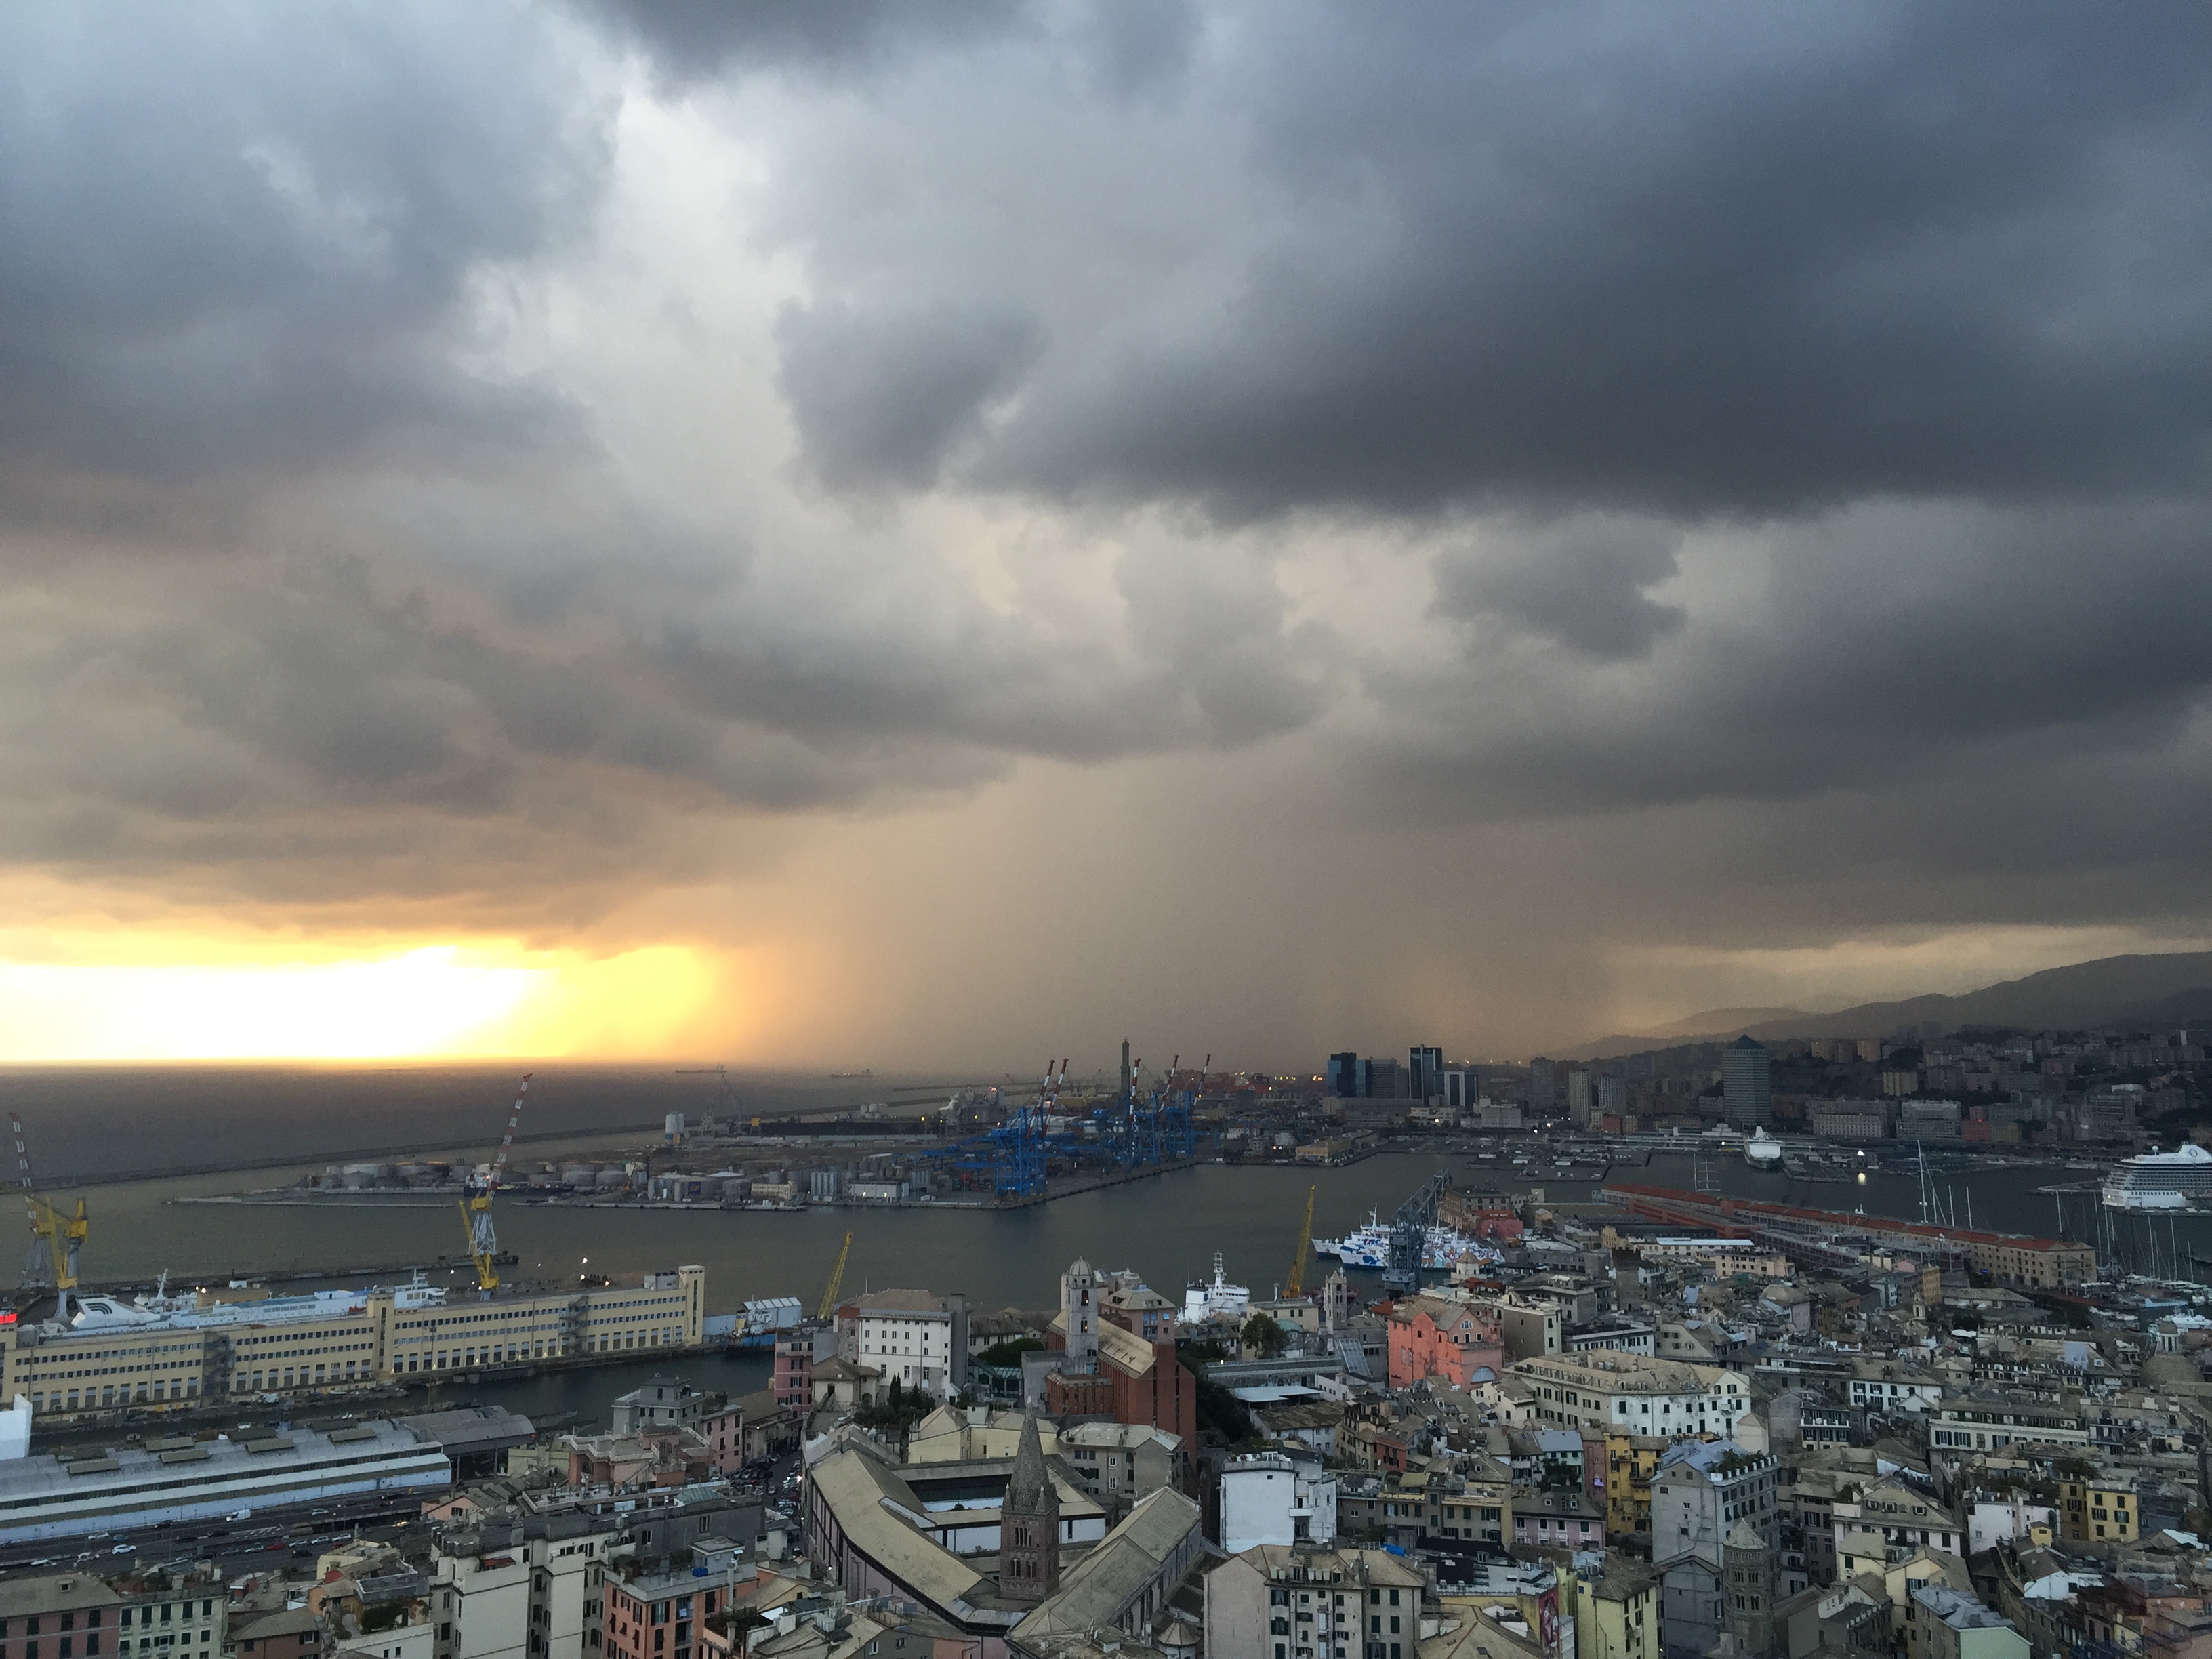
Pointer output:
x,y
1295,1285
56,1239
476,1201
836,1277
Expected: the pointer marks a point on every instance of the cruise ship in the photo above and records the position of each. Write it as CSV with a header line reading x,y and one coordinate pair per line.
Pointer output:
x,y
1762,1150
2162,1181
1370,1247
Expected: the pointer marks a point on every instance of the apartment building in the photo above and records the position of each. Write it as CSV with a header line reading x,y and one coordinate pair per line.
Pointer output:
x,y
1282,1603
1942,1623
916,1339
2098,1508
81,1615
660,1615
1880,1385
1631,1461
1118,1464
1986,1420
1531,1328
1273,1499
1891,1518
531,1591
1616,1608
1601,1391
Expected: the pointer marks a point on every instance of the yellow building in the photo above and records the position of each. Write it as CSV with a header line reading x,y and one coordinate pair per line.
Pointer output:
x,y
1616,1610
102,1370
116,1353
2094,1509
1631,1460
2047,1263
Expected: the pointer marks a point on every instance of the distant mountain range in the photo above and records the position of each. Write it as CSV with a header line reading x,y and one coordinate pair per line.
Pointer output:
x,y
2152,991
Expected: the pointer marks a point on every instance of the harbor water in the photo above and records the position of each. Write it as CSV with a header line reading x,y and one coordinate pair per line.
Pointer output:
x,y
1167,1228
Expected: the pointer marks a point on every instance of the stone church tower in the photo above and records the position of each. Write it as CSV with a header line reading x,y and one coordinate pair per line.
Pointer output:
x,y
1747,1591
1029,1524
1078,1308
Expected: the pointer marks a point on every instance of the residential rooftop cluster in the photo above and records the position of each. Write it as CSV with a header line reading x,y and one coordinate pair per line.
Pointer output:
x,y
1605,1433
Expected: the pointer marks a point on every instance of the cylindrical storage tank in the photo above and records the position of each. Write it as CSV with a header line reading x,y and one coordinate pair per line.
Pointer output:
x,y
579,1174
611,1181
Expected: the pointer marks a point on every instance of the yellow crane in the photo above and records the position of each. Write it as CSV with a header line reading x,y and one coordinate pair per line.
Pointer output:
x,y
476,1201
57,1239
836,1277
1296,1284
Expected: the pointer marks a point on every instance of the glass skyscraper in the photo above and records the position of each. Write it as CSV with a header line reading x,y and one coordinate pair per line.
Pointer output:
x,y
1746,1083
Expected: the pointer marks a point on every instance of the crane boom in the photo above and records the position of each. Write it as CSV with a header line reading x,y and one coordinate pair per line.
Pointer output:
x,y
57,1239
476,1201
1296,1284
837,1279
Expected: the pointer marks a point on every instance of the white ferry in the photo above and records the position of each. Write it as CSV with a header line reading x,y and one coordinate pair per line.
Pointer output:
x,y
1762,1150
1370,1247
1219,1300
2162,1181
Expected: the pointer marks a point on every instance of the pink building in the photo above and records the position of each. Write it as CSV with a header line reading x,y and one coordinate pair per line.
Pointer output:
x,y
1433,1336
793,1382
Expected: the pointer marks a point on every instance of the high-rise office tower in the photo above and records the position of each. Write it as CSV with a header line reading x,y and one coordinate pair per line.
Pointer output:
x,y
1343,1076
1609,1096
1425,1072
1379,1079
1543,1084
1579,1099
1746,1083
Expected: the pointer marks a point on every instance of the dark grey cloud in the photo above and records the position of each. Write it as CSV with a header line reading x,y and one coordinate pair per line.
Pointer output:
x,y
1580,584
1691,260
882,396
694,40
1140,48
238,246
1878,650
1801,417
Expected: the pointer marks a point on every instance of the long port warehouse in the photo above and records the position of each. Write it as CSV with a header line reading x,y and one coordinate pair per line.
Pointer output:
x,y
1806,1236
183,1479
216,1345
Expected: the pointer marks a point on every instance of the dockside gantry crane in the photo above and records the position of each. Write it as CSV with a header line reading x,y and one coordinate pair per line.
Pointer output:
x,y
837,1279
476,1201
57,1239
1295,1285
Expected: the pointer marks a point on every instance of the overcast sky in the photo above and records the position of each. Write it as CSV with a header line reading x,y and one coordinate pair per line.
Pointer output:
x,y
1267,529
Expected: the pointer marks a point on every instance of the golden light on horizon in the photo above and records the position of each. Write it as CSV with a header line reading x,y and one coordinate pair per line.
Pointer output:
x,y
435,1001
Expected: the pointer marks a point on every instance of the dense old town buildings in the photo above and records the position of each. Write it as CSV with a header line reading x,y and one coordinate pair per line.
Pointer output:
x,y
1640,1427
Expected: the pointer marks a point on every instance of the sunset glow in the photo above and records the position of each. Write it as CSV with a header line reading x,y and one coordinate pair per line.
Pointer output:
x,y
436,1000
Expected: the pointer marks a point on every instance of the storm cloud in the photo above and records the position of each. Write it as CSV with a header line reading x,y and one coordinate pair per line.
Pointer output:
x,y
1672,463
